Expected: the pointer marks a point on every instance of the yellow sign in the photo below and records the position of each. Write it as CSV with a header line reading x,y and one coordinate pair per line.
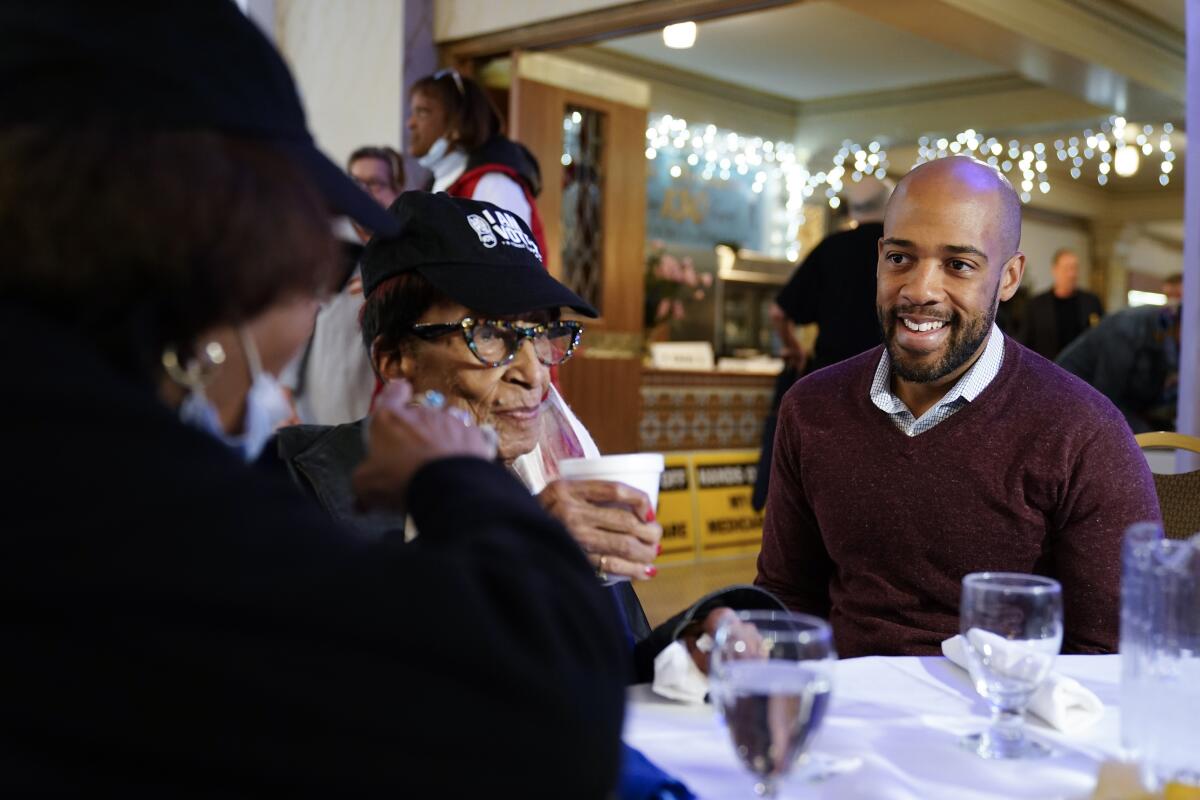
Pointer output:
x,y
676,511
729,525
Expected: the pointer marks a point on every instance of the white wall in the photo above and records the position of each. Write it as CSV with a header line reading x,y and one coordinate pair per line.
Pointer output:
x,y
348,62
1145,254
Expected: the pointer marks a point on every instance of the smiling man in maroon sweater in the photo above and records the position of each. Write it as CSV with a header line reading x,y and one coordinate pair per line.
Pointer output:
x,y
952,449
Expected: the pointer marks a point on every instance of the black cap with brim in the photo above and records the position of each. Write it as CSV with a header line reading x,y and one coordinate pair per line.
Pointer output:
x,y
474,252
343,194
197,65
501,290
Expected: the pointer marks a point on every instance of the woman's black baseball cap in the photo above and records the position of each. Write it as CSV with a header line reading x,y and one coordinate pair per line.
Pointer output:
x,y
474,252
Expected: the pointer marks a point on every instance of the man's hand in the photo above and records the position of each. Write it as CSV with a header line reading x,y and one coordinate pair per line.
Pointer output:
x,y
796,358
609,520
709,626
791,350
401,440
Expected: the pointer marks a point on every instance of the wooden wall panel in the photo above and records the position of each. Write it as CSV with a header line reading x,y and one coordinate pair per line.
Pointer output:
x,y
535,120
605,393
624,218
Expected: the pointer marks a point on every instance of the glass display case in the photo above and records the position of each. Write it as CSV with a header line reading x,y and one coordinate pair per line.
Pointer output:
x,y
746,286
734,314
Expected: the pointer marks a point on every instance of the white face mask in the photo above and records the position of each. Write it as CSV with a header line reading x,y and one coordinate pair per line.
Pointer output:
x,y
437,151
266,408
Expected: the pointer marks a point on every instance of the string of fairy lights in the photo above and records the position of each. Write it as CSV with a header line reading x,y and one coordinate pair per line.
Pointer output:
x,y
710,153
1117,147
717,154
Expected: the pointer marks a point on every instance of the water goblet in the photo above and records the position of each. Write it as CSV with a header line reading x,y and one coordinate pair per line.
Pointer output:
x,y
771,677
1012,629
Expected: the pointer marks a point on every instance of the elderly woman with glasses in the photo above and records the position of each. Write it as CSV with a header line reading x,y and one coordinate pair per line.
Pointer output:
x,y
459,307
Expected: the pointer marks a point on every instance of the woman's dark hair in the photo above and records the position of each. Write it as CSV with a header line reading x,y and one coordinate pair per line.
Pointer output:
x,y
142,239
385,154
469,110
393,308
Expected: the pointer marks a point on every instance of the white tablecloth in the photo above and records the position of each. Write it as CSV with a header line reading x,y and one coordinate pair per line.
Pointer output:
x,y
903,718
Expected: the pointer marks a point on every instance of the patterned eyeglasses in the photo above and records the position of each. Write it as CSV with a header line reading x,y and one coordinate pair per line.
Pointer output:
x,y
495,342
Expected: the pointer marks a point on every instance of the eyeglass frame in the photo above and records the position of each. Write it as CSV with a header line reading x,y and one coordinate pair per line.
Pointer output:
x,y
428,331
453,73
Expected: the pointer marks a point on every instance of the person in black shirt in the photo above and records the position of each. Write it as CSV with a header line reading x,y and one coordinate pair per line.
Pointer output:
x,y
1056,317
835,288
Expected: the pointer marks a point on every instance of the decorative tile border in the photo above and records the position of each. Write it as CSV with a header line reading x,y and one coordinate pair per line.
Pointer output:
x,y
691,411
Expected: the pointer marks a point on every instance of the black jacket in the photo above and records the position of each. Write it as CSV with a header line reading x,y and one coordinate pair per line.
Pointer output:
x,y
514,155
1132,358
178,624
1039,330
321,459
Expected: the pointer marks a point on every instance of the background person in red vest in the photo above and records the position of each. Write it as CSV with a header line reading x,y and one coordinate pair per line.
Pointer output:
x,y
455,132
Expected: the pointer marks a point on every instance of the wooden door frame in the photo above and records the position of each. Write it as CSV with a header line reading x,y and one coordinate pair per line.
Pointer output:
x,y
603,383
617,302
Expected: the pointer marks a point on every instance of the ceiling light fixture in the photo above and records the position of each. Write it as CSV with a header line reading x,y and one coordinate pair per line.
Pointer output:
x,y
680,36
1126,161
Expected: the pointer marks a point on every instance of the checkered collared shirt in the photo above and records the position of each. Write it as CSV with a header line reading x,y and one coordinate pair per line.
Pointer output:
x,y
968,387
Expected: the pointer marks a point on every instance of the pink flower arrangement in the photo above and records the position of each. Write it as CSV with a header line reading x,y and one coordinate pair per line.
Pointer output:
x,y
670,281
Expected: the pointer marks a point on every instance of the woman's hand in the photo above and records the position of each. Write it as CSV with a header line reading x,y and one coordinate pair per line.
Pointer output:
x,y
612,522
401,440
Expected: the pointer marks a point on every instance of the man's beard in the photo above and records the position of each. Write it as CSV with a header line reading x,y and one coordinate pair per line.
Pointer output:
x,y
965,338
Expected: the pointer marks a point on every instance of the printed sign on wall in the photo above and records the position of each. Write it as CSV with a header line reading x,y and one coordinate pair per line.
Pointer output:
x,y
729,525
676,511
687,209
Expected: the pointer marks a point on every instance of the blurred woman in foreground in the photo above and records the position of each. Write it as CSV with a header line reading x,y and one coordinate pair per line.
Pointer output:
x,y
176,623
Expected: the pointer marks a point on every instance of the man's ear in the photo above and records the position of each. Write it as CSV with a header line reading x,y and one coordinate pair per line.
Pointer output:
x,y
1010,278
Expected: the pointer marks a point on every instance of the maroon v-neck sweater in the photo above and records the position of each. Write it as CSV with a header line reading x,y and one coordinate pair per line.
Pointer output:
x,y
875,530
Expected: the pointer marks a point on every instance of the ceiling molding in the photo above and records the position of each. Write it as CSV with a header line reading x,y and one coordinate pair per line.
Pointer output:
x,y
595,26
604,58
1061,44
1060,219
1136,22
1161,239
1096,32
685,79
555,69
970,87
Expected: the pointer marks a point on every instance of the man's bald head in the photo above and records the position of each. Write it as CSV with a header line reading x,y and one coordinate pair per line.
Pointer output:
x,y
947,258
960,178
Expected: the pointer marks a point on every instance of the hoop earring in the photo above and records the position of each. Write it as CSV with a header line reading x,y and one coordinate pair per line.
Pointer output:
x,y
198,372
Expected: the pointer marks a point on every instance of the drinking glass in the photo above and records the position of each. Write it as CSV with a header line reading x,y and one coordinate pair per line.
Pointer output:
x,y
1012,627
1160,655
771,676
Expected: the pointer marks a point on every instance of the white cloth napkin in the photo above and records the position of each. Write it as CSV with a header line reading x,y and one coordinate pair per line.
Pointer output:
x,y
1062,702
677,677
